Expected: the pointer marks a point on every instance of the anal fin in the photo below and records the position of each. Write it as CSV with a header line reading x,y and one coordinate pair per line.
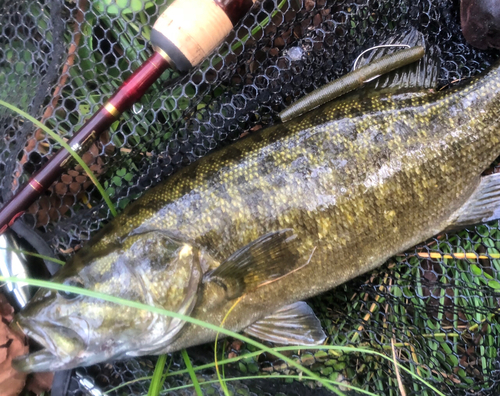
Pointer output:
x,y
482,206
294,324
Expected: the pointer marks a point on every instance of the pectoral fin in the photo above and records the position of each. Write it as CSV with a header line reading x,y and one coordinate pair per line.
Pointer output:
x,y
294,324
482,206
265,260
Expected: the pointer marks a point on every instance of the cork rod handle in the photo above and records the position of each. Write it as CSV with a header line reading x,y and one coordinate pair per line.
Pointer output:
x,y
189,30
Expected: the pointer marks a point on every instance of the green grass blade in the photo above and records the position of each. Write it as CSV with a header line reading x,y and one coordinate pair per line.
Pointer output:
x,y
214,328
222,383
54,260
160,311
296,377
67,147
284,349
135,380
158,378
192,374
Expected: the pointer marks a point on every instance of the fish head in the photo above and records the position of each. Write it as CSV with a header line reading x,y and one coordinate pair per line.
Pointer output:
x,y
154,268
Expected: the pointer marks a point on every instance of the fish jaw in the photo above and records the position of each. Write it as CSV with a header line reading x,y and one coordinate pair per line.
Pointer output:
x,y
150,267
62,349
41,361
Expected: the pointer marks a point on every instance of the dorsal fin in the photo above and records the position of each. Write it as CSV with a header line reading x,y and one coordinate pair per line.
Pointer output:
x,y
352,80
416,76
385,63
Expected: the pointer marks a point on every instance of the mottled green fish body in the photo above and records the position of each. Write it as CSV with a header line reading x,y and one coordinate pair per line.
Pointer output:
x,y
356,181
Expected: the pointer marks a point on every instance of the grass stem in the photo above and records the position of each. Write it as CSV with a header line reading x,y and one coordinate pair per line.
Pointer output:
x,y
192,374
68,148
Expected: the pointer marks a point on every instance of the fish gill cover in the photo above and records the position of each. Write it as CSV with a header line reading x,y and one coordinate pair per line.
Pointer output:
x,y
60,61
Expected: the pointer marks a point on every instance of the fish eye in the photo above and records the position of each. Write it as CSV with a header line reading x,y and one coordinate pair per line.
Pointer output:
x,y
70,295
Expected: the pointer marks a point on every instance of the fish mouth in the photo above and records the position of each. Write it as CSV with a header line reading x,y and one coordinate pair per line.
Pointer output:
x,y
51,357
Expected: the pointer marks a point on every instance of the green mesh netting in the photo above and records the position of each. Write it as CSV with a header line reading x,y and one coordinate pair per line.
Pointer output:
x,y
60,60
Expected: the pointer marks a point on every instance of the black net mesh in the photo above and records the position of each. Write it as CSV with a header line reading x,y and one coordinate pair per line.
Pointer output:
x,y
60,61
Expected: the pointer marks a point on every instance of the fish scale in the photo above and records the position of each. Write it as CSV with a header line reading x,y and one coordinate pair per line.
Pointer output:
x,y
356,181
218,195
365,226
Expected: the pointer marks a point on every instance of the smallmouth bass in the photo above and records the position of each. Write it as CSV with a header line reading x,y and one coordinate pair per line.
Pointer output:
x,y
283,215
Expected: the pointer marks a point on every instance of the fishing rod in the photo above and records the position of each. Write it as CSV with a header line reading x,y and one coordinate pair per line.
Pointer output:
x,y
183,35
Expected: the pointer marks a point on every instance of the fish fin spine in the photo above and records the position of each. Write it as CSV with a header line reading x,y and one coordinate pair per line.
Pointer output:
x,y
481,207
294,324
